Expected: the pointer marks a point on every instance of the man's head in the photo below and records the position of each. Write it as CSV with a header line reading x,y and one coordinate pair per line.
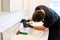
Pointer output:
x,y
38,16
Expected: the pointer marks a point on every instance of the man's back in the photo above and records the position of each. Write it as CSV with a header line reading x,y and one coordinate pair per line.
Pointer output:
x,y
51,21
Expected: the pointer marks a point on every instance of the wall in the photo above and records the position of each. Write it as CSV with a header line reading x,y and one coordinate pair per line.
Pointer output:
x,y
5,5
55,5
11,5
16,5
30,5
26,5
0,5
34,3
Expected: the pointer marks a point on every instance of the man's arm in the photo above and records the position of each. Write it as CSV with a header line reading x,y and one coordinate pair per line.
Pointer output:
x,y
30,19
35,27
39,27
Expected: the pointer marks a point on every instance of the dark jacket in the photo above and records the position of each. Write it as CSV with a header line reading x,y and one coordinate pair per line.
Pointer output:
x,y
51,21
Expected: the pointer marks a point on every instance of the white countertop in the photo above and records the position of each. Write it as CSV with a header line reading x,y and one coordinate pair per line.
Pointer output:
x,y
8,19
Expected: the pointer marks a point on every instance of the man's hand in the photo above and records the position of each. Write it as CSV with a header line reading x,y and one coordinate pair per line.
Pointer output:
x,y
27,25
24,20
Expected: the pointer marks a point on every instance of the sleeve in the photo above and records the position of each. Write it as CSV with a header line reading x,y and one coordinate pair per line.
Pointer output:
x,y
49,20
47,24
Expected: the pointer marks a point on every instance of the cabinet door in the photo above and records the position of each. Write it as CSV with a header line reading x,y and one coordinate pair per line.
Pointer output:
x,y
11,32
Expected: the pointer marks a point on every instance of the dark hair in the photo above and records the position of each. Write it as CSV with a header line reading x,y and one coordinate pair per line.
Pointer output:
x,y
38,16
39,7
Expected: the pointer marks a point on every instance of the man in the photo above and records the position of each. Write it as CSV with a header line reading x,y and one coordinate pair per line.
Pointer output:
x,y
50,19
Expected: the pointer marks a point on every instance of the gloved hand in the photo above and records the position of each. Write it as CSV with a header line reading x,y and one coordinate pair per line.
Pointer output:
x,y
27,25
24,20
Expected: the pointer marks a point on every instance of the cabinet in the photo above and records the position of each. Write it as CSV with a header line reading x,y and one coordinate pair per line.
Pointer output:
x,y
10,32
10,24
